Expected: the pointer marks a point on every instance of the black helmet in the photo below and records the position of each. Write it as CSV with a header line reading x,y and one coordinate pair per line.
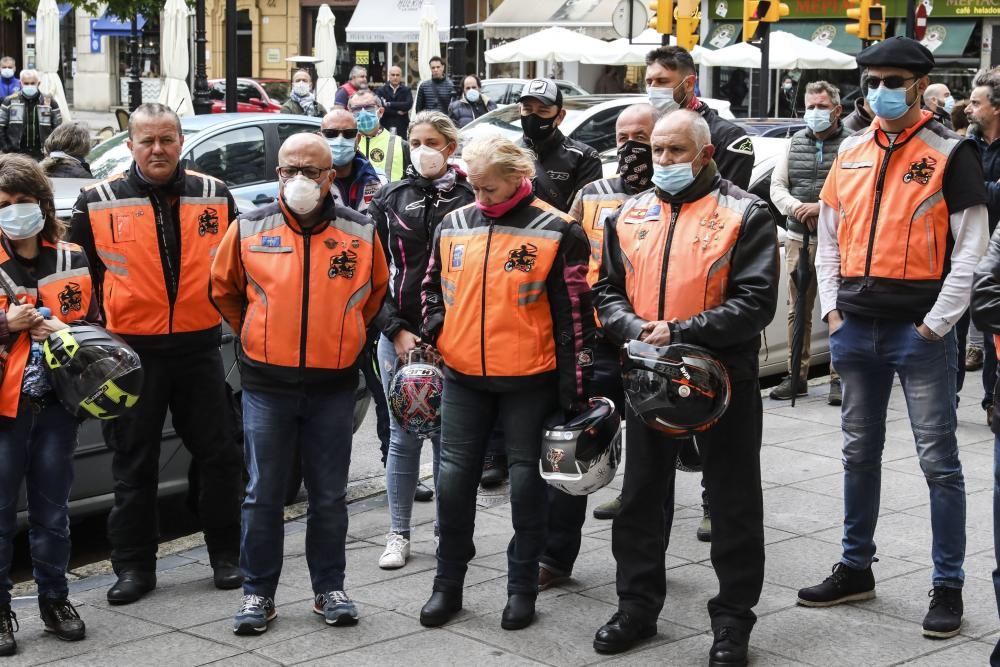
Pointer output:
x,y
581,455
677,389
95,373
415,393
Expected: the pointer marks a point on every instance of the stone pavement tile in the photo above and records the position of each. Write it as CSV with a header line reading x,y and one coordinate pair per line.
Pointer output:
x,y
801,512
785,466
362,568
371,629
184,605
985,447
562,633
813,411
905,597
805,561
903,535
244,660
587,544
176,649
429,647
967,432
692,651
975,478
485,591
843,635
980,565
104,582
900,490
969,653
104,630
778,429
688,590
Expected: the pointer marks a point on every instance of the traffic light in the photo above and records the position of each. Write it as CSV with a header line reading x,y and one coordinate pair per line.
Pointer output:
x,y
688,18
750,20
663,16
772,12
870,17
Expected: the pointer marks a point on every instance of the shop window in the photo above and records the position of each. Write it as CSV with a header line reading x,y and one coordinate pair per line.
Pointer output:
x,y
236,157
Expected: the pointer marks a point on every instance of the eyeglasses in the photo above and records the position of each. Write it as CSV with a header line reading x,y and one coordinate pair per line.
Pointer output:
x,y
894,81
367,107
349,133
311,173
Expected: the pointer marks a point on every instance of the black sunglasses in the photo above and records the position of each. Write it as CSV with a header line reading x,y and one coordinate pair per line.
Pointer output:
x,y
349,133
894,81
311,173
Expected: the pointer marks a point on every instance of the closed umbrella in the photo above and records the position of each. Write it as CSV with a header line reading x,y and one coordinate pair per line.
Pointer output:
x,y
428,42
174,58
47,54
326,50
801,276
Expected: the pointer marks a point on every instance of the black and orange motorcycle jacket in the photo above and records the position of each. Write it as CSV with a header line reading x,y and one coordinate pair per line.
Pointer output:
x,y
705,260
506,300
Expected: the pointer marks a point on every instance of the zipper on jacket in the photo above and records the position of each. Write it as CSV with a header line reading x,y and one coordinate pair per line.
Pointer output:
x,y
170,283
307,261
675,211
866,282
482,320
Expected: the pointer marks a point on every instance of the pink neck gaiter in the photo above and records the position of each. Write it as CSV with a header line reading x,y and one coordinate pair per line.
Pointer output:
x,y
501,209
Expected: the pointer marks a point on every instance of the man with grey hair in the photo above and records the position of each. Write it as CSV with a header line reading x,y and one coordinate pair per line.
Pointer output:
x,y
9,84
357,80
795,185
938,100
387,152
27,118
718,292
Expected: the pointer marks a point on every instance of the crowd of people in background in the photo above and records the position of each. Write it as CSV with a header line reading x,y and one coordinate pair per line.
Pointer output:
x,y
418,255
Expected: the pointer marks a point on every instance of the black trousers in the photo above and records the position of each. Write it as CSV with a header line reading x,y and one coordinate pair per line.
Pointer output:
x,y
368,361
193,387
731,460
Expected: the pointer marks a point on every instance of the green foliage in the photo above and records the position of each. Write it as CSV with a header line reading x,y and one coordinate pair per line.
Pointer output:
x,y
123,9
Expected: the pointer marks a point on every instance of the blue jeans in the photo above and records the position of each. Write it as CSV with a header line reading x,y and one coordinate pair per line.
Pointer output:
x,y
37,448
868,353
468,417
402,470
320,426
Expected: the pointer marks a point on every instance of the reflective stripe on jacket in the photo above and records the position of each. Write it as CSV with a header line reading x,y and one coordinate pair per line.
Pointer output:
x,y
301,299
894,234
14,119
507,299
385,152
594,204
60,281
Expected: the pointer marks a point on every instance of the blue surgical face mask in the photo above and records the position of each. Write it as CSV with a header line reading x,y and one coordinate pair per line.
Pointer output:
x,y
367,120
472,95
29,90
674,178
949,104
818,120
342,150
21,221
889,103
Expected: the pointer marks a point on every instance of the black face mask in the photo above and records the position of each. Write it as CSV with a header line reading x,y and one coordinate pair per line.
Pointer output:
x,y
635,164
537,128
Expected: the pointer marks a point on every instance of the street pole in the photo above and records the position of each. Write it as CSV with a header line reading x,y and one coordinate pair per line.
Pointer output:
x,y
231,56
765,70
911,19
134,83
457,43
202,103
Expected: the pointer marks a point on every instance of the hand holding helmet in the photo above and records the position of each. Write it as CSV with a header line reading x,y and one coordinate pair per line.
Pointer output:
x,y
415,391
404,342
580,455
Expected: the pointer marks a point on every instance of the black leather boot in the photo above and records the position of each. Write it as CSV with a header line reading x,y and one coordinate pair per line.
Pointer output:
x,y
8,626
226,574
621,633
440,608
519,612
131,586
729,648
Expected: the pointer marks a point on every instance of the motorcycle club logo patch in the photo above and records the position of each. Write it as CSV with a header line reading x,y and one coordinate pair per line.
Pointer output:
x,y
343,265
355,244
457,257
71,298
642,234
920,171
331,243
522,259
585,357
742,145
208,222
270,241
377,155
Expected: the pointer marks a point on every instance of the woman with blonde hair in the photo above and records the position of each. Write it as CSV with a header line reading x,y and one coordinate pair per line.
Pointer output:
x,y
507,304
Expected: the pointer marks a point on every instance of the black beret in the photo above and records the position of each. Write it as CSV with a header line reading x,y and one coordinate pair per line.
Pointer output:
x,y
898,51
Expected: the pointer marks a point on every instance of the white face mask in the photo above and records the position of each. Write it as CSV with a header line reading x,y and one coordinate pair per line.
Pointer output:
x,y
7,72
301,88
21,221
662,99
301,194
429,162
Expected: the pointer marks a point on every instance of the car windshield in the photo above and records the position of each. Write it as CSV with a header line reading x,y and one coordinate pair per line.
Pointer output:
x,y
113,156
278,91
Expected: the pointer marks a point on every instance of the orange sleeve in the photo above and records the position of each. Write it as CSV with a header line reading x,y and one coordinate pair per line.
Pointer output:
x,y
229,282
380,282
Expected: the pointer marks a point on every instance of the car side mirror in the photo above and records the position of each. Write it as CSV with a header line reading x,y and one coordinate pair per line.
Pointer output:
x,y
257,101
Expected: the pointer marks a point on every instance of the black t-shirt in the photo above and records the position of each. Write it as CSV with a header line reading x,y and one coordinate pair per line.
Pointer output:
x,y
963,185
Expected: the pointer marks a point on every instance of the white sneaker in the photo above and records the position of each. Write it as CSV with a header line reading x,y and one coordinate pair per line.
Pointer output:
x,y
397,550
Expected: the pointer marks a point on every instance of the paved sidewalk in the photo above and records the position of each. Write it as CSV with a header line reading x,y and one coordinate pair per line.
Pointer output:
x,y
187,622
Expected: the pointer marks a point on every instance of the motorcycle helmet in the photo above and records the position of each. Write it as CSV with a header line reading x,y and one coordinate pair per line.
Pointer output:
x,y
415,393
581,455
676,389
94,373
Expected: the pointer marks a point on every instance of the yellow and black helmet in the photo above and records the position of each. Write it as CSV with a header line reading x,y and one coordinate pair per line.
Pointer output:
x,y
95,373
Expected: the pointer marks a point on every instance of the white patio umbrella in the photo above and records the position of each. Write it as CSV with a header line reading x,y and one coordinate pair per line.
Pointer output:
x,y
47,54
786,52
326,49
556,44
621,52
428,42
174,58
